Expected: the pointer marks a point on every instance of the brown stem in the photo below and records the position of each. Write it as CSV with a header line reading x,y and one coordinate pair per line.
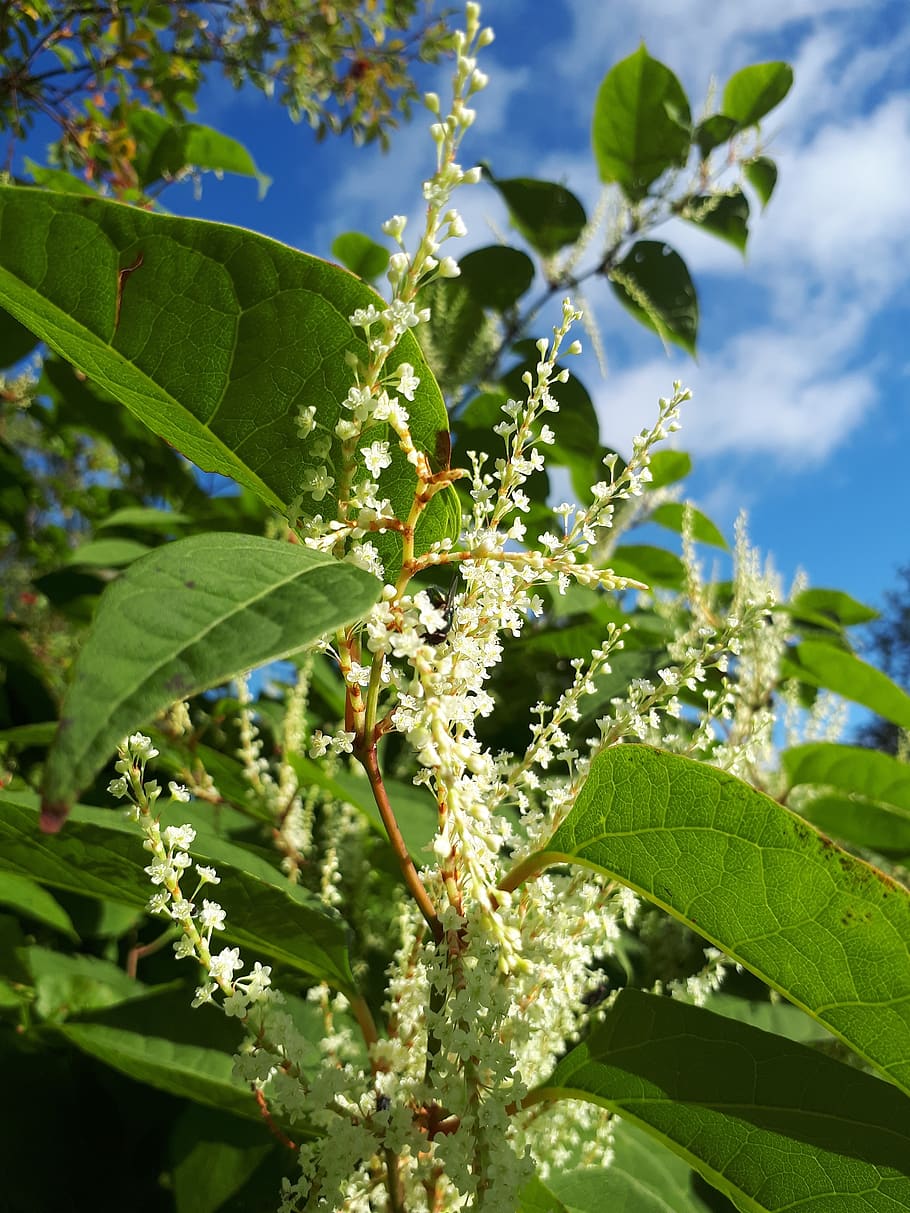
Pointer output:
x,y
135,954
367,757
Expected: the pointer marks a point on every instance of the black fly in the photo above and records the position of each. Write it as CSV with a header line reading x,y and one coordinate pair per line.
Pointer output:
x,y
445,603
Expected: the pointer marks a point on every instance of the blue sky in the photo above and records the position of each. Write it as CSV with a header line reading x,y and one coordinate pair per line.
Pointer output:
x,y
800,412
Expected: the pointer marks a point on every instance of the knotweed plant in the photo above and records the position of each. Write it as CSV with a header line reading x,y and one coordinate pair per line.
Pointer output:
x,y
476,932
490,978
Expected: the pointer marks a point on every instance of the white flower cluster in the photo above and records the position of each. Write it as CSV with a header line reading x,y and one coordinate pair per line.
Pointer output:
x,y
171,862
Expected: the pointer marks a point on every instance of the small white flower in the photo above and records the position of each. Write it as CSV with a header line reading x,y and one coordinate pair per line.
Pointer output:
x,y
376,457
207,875
141,747
179,837
211,916
178,792
223,966
204,994
158,903
319,744
306,421
118,787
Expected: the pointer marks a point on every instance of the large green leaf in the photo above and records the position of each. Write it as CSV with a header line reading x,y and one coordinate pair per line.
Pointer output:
x,y
754,91
771,1123
669,466
107,553
654,285
862,823
100,855
188,616
822,665
871,804
824,928
162,1041
648,563
641,124
213,336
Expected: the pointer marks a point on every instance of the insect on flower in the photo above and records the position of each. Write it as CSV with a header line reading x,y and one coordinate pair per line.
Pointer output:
x,y
444,602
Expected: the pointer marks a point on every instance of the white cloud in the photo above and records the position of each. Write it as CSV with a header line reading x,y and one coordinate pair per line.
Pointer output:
x,y
843,206
780,395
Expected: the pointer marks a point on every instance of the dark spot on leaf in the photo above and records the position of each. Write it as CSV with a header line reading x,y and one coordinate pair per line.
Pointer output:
x,y
66,722
178,683
190,585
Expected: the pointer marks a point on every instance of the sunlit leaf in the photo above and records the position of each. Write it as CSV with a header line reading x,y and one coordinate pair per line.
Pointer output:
x,y
215,338
758,1116
823,928
641,123
100,855
754,91
188,616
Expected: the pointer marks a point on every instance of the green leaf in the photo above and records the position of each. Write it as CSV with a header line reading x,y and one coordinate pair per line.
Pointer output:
x,y
822,665
215,1156
361,255
639,1179
59,180
458,341
850,768
220,338
16,342
100,855
823,928
538,1197
755,90
146,518
233,602
652,565
862,822
167,149
497,276
875,812
723,215
641,124
672,515
108,553
548,215
70,985
761,173
653,284
831,608
669,466
780,1017
759,1117
714,131
31,901
162,1041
